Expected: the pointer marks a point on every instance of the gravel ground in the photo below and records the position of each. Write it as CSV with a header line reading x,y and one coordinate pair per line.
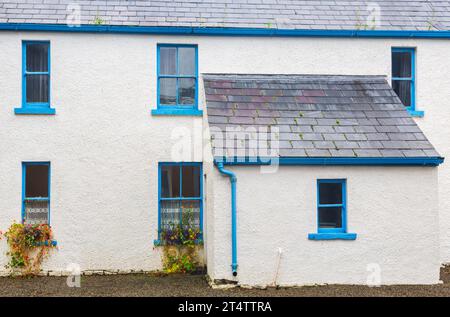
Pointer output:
x,y
196,285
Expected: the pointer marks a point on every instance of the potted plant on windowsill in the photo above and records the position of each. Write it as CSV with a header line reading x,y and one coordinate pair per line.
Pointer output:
x,y
180,244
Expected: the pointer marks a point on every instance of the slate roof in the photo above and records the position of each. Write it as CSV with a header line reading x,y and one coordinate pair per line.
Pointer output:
x,y
279,14
316,116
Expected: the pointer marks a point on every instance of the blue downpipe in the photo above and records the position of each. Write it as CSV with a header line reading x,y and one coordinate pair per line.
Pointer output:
x,y
233,181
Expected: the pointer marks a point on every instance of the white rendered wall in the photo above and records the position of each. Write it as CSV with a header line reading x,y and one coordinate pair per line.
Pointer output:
x,y
397,231
104,145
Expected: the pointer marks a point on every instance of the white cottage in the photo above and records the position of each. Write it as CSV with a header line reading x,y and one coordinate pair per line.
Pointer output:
x,y
273,123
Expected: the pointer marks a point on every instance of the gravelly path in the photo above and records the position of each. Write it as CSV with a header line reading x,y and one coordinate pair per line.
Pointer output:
x,y
190,285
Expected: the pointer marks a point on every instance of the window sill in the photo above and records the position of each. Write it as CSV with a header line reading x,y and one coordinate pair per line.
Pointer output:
x,y
332,236
159,243
53,243
38,111
417,114
177,112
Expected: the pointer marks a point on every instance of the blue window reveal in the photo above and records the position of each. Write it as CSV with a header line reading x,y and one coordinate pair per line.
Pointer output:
x,y
35,78
36,193
404,78
180,197
331,211
177,86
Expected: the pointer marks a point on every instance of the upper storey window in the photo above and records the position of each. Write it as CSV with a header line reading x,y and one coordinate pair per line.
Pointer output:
x,y
177,80
404,77
35,78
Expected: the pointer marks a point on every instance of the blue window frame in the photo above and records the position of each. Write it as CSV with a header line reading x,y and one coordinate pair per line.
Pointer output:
x,y
403,75
35,78
36,192
177,80
332,210
180,196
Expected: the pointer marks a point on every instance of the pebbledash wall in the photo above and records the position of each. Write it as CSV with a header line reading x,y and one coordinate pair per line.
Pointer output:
x,y
104,147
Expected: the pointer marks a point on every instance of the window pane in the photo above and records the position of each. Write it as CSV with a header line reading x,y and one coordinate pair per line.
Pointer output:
x,y
191,181
170,181
186,61
170,214
191,214
167,91
37,57
330,217
403,90
330,193
37,88
36,179
167,61
186,91
401,64
36,212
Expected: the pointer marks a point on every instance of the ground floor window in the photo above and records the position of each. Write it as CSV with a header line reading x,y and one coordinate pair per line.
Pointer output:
x,y
36,192
331,205
180,196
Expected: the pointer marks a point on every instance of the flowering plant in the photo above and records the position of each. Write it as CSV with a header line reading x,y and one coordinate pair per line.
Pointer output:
x,y
180,235
179,242
28,246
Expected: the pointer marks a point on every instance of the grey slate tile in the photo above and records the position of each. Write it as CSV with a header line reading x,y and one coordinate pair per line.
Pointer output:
x,y
342,153
346,144
414,153
391,153
311,136
334,136
355,136
318,153
367,153
377,136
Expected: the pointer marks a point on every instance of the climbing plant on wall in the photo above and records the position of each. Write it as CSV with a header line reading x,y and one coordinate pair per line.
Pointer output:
x,y
28,246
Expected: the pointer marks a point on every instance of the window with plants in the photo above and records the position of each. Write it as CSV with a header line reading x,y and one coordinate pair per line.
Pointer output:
x,y
180,215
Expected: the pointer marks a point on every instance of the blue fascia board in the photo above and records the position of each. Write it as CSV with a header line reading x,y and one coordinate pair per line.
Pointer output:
x,y
177,112
375,161
332,236
34,110
227,31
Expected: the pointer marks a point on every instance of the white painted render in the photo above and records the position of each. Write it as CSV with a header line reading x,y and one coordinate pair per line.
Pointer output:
x,y
397,233
104,147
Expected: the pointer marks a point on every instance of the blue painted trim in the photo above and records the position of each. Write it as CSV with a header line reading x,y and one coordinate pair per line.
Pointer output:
x,y
342,205
34,110
212,31
24,170
358,161
176,112
200,199
332,236
233,181
36,107
177,109
54,243
415,113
